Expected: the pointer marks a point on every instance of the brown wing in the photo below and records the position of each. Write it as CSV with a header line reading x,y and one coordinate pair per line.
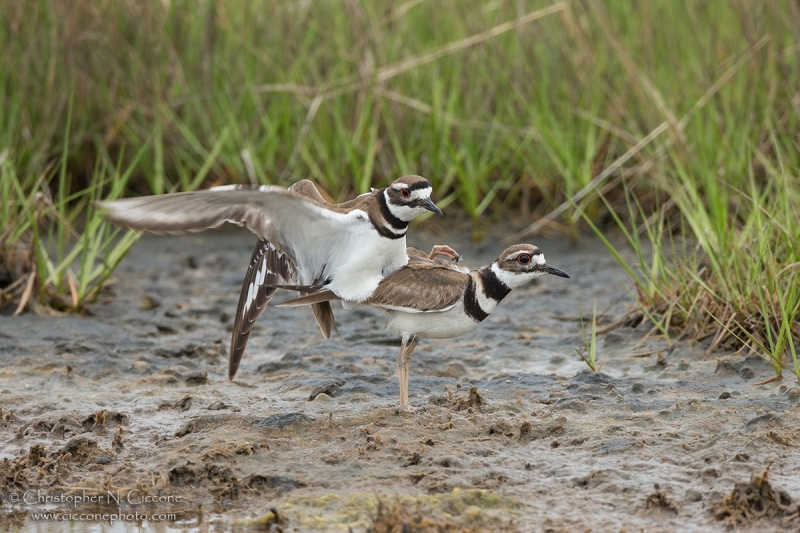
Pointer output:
x,y
255,296
267,266
414,253
311,234
310,191
422,285
440,253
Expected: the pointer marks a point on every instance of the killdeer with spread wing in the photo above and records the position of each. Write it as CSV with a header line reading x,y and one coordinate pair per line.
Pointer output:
x,y
268,267
434,298
349,247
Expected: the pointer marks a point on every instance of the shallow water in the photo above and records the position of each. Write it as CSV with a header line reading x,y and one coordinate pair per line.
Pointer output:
x,y
518,434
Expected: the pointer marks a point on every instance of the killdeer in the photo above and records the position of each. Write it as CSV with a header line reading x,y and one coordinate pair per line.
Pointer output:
x,y
350,247
436,299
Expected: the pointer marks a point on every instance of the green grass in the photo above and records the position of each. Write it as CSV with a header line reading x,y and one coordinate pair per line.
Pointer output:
x,y
349,95
589,341
684,114
45,263
719,263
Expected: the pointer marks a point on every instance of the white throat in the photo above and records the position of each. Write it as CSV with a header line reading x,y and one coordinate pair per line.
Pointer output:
x,y
512,280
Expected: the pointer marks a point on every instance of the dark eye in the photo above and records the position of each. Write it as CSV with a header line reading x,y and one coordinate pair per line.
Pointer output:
x,y
405,193
523,259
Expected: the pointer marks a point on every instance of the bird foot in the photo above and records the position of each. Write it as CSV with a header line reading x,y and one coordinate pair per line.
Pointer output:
x,y
408,408
443,249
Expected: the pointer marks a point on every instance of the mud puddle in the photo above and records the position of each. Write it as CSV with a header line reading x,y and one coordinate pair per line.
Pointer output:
x,y
518,434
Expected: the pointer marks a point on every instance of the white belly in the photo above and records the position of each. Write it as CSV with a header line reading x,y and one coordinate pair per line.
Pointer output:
x,y
371,259
443,325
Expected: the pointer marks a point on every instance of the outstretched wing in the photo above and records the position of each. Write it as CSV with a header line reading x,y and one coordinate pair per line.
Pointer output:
x,y
309,234
267,270
268,267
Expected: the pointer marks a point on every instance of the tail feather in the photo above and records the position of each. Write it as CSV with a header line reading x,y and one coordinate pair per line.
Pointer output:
x,y
324,315
320,296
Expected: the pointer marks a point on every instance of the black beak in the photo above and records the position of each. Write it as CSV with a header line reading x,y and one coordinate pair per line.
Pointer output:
x,y
430,206
554,271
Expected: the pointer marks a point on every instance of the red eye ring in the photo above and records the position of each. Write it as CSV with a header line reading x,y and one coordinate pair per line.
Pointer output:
x,y
523,259
405,193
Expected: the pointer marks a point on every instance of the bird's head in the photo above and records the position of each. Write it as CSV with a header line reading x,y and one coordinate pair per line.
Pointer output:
x,y
521,263
410,196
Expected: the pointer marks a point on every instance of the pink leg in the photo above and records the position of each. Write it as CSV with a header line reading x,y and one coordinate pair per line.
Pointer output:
x,y
443,249
404,371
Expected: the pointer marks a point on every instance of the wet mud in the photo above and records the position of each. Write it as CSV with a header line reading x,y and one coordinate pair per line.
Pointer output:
x,y
518,434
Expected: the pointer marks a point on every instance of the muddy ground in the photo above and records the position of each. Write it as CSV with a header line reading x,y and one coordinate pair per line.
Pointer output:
x,y
518,434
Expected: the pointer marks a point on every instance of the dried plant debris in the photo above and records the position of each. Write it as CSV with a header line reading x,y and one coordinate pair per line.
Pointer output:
x,y
17,269
12,475
397,518
116,443
462,511
40,468
659,500
756,500
97,421
270,521
36,455
529,432
473,400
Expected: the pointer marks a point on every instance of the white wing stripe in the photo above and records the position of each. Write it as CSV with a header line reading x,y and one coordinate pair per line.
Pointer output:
x,y
250,297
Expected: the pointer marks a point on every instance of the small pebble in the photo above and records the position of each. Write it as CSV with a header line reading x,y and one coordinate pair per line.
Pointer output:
x,y
725,395
322,398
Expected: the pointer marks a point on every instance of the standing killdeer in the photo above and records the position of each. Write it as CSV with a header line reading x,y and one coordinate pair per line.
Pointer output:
x,y
350,247
436,299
